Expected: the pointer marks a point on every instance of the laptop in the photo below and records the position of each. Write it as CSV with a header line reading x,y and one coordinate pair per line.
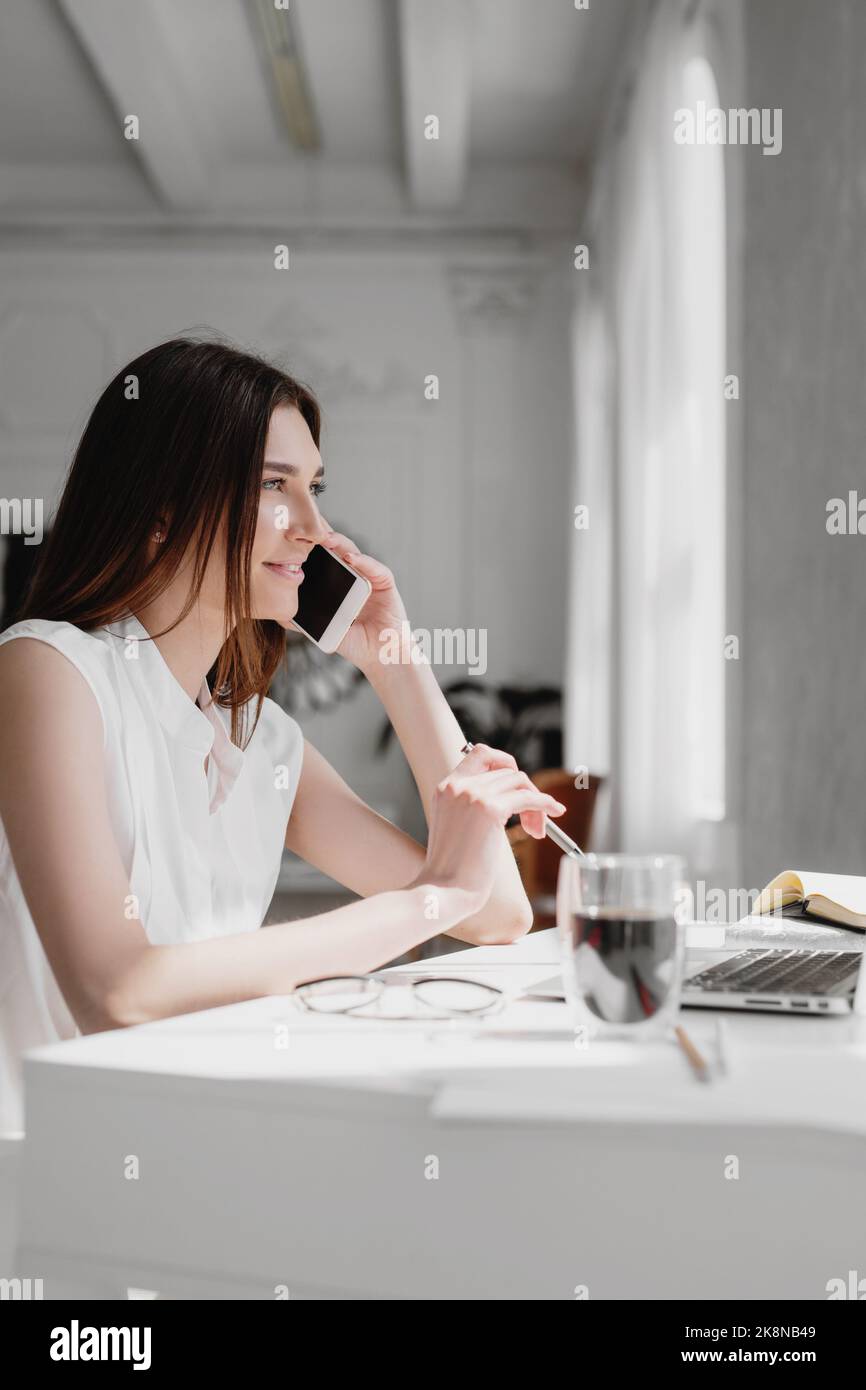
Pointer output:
x,y
775,980
764,980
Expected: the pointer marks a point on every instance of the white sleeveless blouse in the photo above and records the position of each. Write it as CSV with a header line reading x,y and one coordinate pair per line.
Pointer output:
x,y
202,849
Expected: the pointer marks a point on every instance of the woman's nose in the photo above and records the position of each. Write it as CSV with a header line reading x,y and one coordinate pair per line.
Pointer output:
x,y
313,527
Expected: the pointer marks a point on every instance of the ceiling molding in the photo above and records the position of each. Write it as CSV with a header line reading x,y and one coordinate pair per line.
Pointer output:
x,y
227,240
337,199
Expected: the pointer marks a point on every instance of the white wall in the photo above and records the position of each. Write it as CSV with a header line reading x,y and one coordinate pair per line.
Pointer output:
x,y
804,420
463,497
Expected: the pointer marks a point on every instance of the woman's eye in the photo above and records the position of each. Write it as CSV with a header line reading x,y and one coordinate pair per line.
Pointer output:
x,y
271,483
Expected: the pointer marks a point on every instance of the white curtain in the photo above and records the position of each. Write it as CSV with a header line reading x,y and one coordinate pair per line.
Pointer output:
x,y
648,583
589,639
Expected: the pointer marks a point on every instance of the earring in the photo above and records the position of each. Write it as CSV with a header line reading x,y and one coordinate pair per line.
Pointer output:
x,y
158,536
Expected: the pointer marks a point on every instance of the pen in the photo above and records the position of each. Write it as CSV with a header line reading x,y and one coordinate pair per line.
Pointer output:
x,y
551,829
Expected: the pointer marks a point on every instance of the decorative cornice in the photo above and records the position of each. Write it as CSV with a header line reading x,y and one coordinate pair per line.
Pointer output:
x,y
317,358
496,294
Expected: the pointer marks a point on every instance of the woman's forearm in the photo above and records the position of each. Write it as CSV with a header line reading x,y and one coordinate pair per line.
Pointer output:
x,y
432,740
163,981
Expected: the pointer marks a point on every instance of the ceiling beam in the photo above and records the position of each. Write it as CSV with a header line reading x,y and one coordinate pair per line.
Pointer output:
x,y
130,47
435,45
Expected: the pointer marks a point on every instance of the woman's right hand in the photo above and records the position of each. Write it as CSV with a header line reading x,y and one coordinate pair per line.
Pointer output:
x,y
468,812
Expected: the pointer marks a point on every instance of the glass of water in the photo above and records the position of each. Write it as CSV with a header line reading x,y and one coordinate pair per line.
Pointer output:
x,y
621,925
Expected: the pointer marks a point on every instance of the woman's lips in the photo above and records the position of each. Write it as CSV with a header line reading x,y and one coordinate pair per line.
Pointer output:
x,y
294,573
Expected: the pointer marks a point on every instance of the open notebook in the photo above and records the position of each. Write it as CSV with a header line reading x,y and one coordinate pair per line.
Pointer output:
x,y
836,898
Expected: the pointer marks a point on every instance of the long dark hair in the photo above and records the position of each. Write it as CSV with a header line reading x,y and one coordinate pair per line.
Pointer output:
x,y
180,432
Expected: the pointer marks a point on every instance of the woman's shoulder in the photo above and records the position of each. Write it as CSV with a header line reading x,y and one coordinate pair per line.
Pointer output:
x,y
85,650
75,642
278,725
279,735
49,629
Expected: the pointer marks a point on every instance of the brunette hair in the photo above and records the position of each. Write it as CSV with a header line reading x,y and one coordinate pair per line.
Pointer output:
x,y
179,433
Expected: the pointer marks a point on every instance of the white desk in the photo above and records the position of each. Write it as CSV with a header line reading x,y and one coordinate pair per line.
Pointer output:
x,y
306,1165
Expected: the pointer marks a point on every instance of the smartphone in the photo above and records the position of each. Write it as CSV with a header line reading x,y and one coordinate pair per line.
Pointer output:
x,y
330,598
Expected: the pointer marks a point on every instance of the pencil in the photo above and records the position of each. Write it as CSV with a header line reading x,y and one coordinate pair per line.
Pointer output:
x,y
697,1062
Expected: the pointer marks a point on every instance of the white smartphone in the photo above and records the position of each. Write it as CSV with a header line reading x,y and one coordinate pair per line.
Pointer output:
x,y
330,597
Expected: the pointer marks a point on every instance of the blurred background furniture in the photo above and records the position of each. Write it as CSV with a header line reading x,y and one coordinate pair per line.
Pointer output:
x,y
538,860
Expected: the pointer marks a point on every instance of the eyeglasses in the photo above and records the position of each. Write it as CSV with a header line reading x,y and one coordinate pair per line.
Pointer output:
x,y
429,996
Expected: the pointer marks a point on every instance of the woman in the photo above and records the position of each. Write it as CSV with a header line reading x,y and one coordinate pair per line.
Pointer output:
x,y
143,822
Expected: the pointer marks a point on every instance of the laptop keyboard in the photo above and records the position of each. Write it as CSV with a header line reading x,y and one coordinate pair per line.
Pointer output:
x,y
806,972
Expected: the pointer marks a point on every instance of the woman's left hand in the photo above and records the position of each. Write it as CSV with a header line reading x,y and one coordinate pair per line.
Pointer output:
x,y
362,644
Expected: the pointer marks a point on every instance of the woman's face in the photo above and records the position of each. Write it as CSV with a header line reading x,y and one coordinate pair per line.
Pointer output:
x,y
289,522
